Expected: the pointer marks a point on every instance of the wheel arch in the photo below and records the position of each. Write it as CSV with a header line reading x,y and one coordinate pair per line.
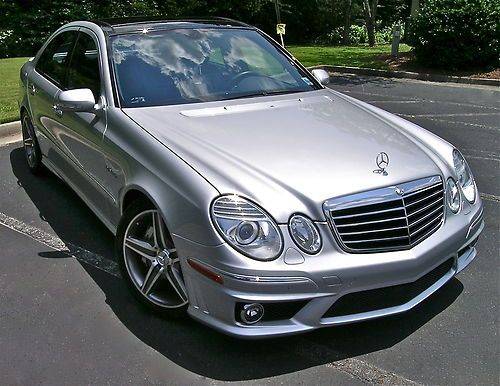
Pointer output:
x,y
136,192
133,194
23,110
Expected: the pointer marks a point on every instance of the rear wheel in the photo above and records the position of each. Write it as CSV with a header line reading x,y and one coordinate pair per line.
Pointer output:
x,y
31,147
149,261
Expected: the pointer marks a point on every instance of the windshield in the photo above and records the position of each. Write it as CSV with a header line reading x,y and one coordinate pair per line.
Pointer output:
x,y
199,65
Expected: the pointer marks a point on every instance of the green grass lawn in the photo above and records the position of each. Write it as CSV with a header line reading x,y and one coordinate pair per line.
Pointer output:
x,y
359,56
9,88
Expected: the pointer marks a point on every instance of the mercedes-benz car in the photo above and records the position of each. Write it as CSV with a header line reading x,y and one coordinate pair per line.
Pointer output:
x,y
240,189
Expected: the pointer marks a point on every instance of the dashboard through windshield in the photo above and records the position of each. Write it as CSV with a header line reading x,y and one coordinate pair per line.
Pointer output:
x,y
189,65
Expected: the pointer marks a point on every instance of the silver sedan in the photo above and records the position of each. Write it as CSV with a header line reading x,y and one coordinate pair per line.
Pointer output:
x,y
239,188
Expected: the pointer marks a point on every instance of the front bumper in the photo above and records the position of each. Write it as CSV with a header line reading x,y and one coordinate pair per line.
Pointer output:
x,y
313,285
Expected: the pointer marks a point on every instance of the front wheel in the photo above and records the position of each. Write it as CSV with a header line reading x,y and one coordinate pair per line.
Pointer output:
x,y
31,148
149,261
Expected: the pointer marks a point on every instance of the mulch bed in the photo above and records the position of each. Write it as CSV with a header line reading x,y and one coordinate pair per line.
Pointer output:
x,y
406,62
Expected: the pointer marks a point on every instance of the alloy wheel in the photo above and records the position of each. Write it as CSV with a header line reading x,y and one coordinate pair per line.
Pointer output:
x,y
29,142
151,261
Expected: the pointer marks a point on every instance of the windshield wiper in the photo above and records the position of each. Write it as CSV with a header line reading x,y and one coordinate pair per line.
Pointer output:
x,y
262,93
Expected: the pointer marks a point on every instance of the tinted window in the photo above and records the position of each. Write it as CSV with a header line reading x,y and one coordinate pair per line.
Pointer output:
x,y
197,65
54,59
84,67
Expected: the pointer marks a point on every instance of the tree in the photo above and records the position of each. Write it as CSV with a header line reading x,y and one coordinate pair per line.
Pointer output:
x,y
347,21
370,11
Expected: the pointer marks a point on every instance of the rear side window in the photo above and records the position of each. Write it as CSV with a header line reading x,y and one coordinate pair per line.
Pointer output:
x,y
84,67
53,62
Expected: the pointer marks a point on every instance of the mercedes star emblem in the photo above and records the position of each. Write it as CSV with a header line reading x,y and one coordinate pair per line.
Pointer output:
x,y
382,163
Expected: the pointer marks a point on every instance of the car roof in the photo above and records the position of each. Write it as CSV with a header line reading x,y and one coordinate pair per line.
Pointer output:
x,y
136,24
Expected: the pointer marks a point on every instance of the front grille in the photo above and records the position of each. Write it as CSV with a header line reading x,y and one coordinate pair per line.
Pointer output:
x,y
388,219
381,298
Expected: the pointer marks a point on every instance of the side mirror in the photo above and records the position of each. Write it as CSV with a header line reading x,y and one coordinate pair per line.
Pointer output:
x,y
321,75
78,100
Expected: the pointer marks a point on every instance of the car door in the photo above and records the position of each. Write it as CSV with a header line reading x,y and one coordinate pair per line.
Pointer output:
x,y
80,134
49,78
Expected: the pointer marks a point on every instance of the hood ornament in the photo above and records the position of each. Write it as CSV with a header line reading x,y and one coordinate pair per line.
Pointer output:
x,y
382,161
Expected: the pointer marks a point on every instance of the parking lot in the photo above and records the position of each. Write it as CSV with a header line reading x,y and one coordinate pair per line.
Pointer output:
x,y
67,318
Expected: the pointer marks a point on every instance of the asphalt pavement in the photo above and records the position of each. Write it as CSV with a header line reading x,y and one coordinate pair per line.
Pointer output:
x,y
67,318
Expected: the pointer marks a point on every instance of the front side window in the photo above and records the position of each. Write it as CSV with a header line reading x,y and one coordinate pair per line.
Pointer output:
x,y
198,65
53,61
84,68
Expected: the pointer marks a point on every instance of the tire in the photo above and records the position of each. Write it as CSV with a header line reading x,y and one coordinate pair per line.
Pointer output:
x,y
149,262
32,150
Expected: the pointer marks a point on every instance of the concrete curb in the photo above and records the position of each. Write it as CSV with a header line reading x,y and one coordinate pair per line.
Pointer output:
x,y
10,129
410,75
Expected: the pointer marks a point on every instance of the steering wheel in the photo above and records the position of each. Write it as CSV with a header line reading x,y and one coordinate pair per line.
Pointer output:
x,y
238,78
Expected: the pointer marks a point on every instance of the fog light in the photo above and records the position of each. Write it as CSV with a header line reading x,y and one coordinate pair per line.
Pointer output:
x,y
252,313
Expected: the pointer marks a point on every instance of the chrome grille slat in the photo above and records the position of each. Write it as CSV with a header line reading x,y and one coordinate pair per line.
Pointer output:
x,y
378,239
424,226
424,236
414,213
373,231
391,219
412,193
425,217
370,222
367,214
439,192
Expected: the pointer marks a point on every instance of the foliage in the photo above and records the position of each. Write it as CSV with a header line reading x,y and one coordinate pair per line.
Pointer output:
x,y
32,21
457,34
357,35
390,12
26,24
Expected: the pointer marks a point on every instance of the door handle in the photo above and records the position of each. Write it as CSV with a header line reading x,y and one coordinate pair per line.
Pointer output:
x,y
32,89
57,110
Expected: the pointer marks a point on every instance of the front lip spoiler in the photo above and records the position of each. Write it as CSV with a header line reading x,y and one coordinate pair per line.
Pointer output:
x,y
337,320
462,261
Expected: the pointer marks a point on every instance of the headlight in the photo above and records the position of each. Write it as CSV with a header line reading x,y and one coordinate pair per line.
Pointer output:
x,y
464,176
305,234
246,227
452,195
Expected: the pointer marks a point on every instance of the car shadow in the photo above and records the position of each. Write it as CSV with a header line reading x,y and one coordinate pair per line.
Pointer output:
x,y
193,346
58,205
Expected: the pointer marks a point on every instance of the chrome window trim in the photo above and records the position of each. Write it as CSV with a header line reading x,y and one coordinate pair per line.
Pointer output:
x,y
88,31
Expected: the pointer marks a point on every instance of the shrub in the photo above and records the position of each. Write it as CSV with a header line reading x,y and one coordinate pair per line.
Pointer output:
x,y
457,34
357,35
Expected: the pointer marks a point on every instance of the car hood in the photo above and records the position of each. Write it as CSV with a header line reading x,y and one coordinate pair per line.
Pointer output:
x,y
289,153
